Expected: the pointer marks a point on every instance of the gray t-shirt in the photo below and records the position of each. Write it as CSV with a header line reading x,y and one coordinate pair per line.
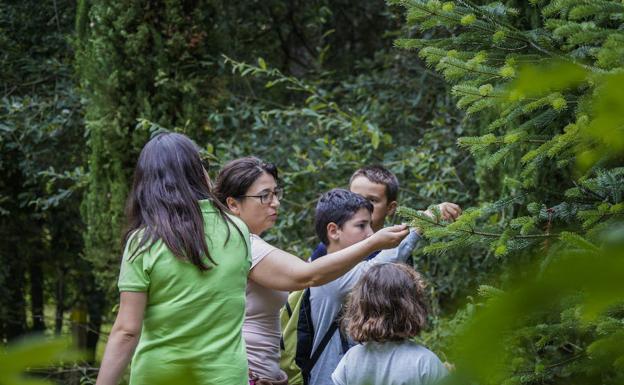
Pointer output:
x,y
326,301
389,363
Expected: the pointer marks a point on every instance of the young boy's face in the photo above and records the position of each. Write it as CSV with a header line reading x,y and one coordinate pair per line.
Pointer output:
x,y
352,231
376,194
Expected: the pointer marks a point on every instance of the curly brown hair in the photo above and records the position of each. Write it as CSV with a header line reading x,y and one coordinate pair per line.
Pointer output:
x,y
387,304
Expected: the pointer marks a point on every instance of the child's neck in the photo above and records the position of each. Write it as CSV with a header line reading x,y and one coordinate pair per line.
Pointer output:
x,y
332,248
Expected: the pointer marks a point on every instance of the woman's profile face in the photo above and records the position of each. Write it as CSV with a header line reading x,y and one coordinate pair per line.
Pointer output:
x,y
258,216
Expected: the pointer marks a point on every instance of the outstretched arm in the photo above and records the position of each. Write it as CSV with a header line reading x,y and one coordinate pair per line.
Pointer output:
x,y
123,338
280,270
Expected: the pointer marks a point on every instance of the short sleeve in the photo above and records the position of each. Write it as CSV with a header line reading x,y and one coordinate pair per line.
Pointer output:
x,y
134,273
242,228
434,370
339,376
259,249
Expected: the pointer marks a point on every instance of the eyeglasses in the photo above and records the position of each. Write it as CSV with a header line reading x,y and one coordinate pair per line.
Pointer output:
x,y
267,197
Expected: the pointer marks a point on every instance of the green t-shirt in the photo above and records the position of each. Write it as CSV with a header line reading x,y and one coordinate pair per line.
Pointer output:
x,y
193,319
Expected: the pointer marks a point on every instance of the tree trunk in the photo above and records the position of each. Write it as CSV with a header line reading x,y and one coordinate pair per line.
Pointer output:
x,y
96,303
36,295
15,324
60,301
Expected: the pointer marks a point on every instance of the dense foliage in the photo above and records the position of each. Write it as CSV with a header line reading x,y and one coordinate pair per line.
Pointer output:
x,y
42,173
541,82
509,108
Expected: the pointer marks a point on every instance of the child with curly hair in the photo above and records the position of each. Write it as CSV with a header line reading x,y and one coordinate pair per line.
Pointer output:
x,y
385,310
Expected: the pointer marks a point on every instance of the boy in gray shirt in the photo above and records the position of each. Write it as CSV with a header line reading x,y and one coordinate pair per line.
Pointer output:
x,y
342,218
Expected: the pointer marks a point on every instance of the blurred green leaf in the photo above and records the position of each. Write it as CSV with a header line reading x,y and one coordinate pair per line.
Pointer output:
x,y
481,347
535,81
607,125
32,353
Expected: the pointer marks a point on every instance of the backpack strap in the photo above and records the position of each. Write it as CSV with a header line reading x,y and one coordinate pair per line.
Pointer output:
x,y
307,370
289,312
322,345
343,338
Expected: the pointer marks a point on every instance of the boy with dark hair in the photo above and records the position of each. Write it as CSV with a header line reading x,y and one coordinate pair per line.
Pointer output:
x,y
381,187
336,207
342,218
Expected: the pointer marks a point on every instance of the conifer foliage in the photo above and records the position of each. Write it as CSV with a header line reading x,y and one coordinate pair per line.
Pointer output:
x,y
136,60
541,81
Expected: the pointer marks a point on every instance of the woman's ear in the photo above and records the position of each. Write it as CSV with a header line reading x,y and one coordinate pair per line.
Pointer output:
x,y
233,205
333,232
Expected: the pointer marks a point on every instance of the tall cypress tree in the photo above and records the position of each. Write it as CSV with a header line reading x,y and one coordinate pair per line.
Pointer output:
x,y
137,60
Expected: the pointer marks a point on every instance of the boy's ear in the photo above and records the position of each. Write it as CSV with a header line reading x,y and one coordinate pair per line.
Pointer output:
x,y
333,232
233,205
392,208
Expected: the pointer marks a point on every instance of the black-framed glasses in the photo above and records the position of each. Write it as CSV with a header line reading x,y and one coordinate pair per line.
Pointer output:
x,y
267,197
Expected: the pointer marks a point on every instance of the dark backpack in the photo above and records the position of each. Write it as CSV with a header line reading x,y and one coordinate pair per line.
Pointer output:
x,y
297,358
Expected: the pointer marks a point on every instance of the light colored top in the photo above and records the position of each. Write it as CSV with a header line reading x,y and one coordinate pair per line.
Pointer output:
x,y
261,329
389,363
193,319
326,301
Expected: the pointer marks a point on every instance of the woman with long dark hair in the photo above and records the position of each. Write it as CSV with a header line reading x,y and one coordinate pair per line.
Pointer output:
x,y
183,275
249,188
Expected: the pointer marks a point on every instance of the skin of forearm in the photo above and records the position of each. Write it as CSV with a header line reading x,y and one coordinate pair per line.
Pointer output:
x,y
337,263
117,355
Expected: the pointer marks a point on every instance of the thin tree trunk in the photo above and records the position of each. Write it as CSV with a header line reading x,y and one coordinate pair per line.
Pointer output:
x,y
96,304
60,301
15,324
36,295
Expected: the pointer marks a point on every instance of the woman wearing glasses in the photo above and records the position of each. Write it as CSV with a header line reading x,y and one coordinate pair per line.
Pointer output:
x,y
249,188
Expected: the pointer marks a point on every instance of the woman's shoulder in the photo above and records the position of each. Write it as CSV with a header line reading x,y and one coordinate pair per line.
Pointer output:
x,y
138,247
258,241
259,249
136,244
215,218
238,223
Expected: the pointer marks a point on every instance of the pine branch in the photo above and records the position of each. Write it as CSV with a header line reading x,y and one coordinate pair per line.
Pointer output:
x,y
553,366
468,69
486,234
495,96
589,191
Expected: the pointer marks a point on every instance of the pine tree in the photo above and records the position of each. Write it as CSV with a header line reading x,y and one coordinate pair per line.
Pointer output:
x,y
543,83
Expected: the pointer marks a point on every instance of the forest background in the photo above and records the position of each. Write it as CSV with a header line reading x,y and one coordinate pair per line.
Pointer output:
x,y
510,109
